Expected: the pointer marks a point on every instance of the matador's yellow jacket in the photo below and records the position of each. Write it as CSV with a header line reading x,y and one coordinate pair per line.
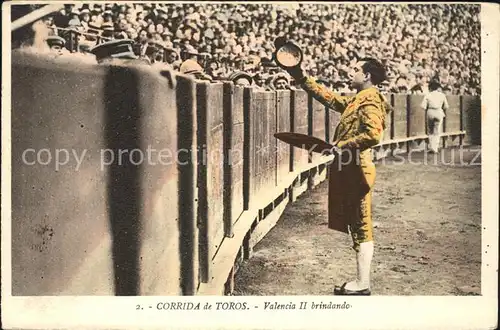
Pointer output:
x,y
361,125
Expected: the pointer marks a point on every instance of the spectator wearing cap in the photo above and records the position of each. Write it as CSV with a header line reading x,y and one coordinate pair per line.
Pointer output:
x,y
156,52
402,84
132,33
214,70
49,22
120,30
115,52
85,18
142,43
435,104
166,36
189,52
280,82
268,84
74,21
259,80
172,56
56,44
107,16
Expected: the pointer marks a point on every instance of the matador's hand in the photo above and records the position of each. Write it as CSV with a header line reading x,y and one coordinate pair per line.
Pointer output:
x,y
296,73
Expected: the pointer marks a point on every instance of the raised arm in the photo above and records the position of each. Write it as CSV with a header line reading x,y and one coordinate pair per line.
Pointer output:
x,y
325,95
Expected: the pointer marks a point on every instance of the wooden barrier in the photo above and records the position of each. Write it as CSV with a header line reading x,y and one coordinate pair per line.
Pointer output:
x,y
94,229
416,123
233,155
143,228
400,123
317,121
187,183
210,173
318,125
471,119
299,124
158,264
388,131
400,117
283,124
55,212
263,160
452,122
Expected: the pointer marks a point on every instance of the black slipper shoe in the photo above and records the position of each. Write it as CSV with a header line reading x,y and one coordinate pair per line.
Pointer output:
x,y
342,291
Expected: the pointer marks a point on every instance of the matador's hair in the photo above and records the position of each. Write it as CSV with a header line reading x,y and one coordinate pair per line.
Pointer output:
x,y
376,69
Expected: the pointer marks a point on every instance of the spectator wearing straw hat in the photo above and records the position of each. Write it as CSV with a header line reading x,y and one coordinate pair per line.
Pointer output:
x,y
240,78
191,67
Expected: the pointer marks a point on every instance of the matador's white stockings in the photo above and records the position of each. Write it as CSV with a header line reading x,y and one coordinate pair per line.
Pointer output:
x,y
363,260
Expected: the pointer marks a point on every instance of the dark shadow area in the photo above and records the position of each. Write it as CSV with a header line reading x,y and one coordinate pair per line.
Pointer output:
x,y
227,172
246,146
122,131
185,99
473,120
203,151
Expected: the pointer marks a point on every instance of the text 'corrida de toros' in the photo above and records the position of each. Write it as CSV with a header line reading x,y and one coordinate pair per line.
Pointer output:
x,y
189,306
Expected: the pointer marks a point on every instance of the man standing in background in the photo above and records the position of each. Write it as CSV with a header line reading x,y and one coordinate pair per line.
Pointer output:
x,y
435,104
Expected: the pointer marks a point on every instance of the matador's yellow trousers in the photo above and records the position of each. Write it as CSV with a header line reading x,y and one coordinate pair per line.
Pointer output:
x,y
348,210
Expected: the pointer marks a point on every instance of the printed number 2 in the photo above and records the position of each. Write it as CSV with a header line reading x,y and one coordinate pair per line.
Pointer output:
x,y
138,307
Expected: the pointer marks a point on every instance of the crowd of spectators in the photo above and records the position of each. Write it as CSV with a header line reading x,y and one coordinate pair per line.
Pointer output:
x,y
416,42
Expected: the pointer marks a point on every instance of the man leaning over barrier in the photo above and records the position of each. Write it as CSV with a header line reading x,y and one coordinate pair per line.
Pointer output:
x,y
350,185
